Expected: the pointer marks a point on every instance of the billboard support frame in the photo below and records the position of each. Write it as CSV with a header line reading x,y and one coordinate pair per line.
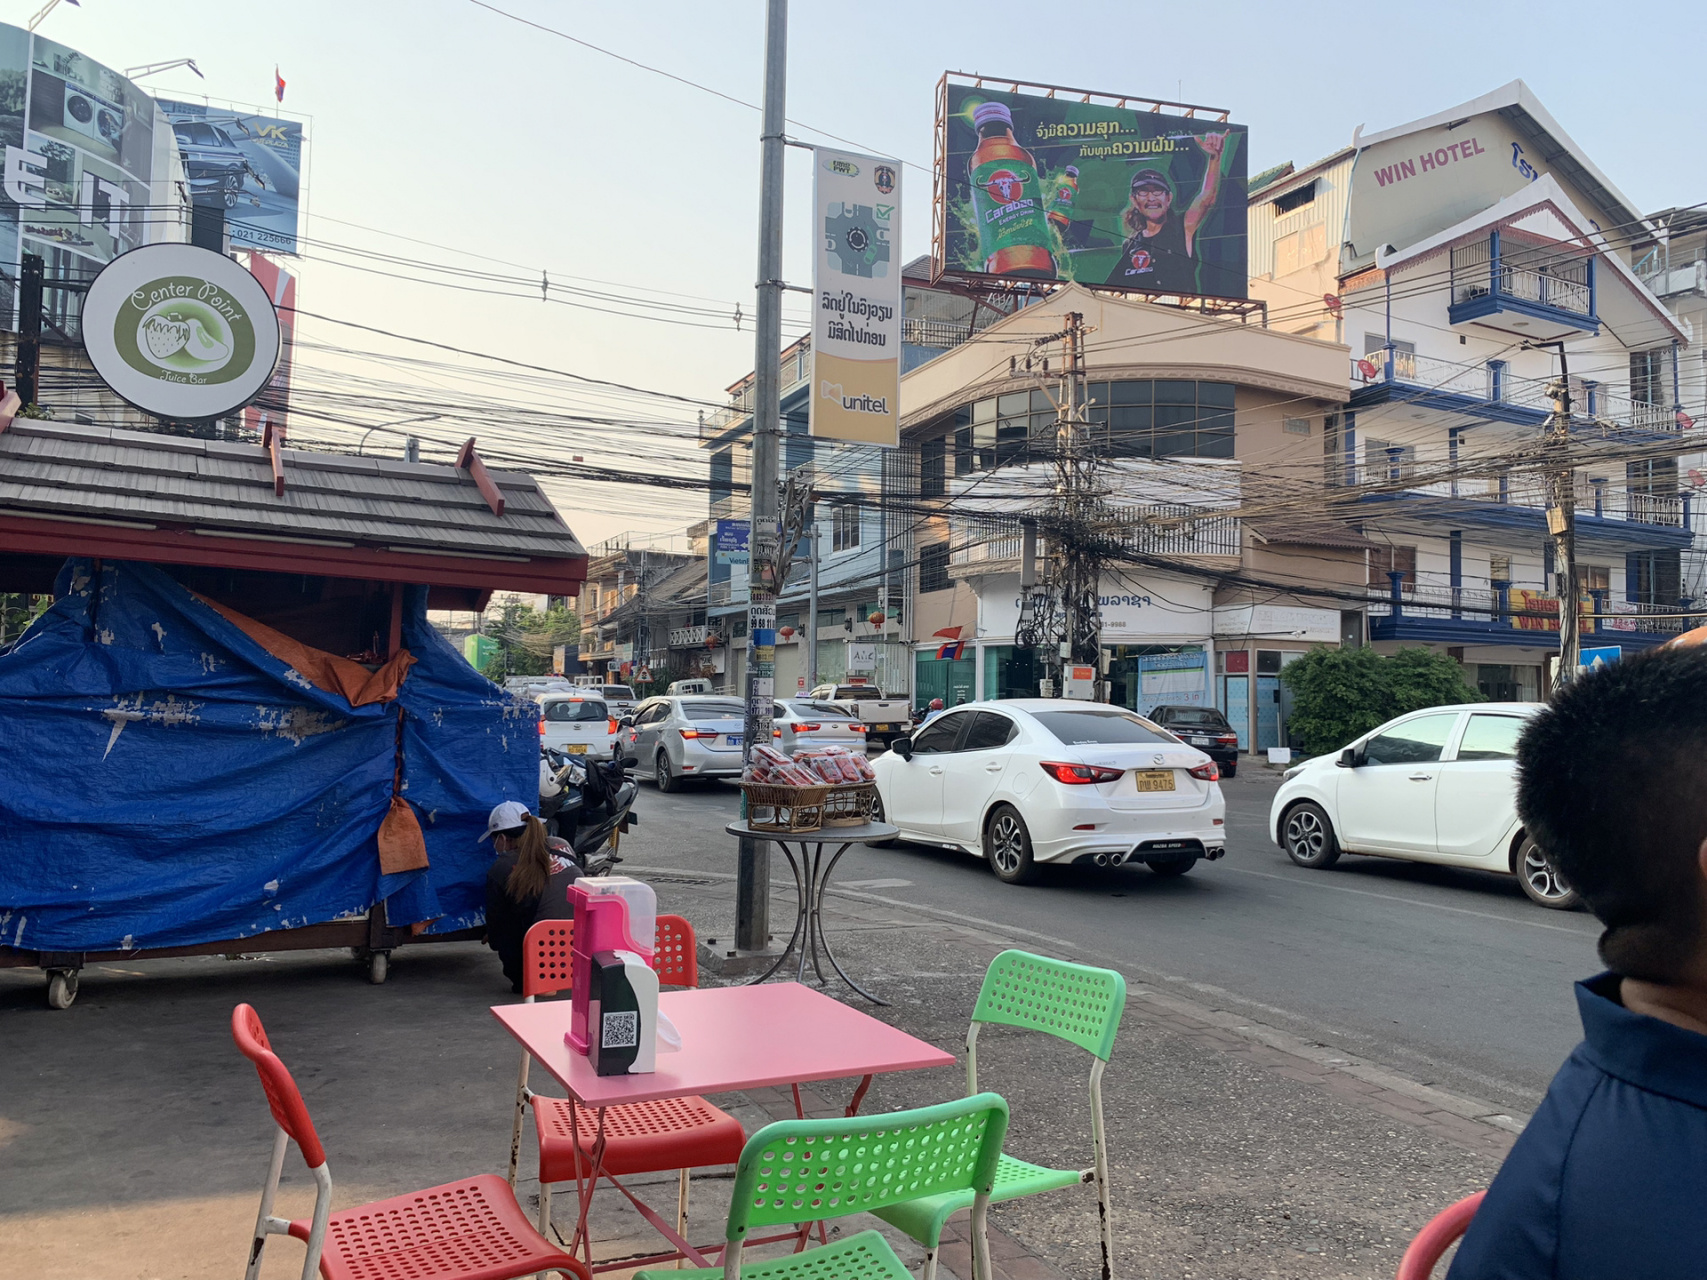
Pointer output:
x,y
1244,308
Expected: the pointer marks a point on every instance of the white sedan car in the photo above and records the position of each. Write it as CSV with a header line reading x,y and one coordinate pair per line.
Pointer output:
x,y
1433,786
1052,780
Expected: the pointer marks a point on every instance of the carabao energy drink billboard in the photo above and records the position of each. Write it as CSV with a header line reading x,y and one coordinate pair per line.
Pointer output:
x,y
856,298
1046,186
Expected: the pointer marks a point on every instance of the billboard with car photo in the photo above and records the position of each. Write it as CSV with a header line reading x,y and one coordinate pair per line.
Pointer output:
x,y
249,165
1052,184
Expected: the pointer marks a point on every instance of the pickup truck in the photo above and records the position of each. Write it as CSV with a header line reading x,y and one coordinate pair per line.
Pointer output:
x,y
885,719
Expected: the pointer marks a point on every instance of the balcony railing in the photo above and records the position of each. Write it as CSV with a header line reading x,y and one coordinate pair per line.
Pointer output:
x,y
1591,403
687,637
1532,610
1164,529
1487,272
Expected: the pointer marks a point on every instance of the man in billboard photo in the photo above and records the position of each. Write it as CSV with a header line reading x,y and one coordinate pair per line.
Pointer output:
x,y
1159,255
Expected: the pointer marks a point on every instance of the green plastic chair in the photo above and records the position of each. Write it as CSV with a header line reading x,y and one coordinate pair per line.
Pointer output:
x,y
799,1171
1072,1002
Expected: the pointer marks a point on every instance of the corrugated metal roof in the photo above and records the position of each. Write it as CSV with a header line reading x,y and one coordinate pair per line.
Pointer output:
x,y
102,473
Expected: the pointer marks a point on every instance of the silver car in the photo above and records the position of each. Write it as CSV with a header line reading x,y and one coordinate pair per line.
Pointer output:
x,y
678,739
805,724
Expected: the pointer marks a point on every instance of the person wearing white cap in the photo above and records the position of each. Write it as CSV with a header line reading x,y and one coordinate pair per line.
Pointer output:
x,y
527,883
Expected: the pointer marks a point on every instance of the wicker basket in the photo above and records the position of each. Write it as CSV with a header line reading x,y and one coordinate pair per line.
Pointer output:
x,y
850,806
789,809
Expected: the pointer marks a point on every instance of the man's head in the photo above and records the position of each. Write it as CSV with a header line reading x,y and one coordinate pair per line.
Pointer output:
x,y
1612,783
1152,195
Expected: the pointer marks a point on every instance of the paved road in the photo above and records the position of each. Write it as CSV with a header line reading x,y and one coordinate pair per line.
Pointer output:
x,y
1450,976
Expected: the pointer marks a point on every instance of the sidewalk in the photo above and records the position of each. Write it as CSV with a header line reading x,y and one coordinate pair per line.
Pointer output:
x,y
133,1138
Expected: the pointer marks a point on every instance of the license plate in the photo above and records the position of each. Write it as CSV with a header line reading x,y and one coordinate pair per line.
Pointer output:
x,y
881,728
1154,779
575,748
732,739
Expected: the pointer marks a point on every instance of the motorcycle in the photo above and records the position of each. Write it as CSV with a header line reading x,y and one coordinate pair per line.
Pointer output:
x,y
587,805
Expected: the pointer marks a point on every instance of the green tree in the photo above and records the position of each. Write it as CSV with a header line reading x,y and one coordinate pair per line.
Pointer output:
x,y
525,637
1341,694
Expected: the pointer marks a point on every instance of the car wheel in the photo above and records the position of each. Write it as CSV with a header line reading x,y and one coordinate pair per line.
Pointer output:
x,y
877,815
662,774
1308,837
1541,882
1007,844
1172,868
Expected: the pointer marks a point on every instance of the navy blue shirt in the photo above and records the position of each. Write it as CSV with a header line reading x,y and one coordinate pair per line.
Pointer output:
x,y
1609,1181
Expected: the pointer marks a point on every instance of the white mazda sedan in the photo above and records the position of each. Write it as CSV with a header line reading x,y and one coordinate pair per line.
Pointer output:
x,y
1029,781
1438,785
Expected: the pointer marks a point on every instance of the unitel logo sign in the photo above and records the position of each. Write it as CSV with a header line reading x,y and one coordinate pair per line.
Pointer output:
x,y
180,332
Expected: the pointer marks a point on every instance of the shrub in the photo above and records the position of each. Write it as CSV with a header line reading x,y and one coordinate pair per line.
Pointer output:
x,y
1341,694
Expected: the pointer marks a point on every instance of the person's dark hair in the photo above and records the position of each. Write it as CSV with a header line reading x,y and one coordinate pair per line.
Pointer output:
x,y
1612,784
532,871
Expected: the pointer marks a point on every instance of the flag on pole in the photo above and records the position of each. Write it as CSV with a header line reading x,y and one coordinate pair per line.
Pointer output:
x,y
952,644
278,84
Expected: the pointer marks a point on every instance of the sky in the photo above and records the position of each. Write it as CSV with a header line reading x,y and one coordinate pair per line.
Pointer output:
x,y
444,132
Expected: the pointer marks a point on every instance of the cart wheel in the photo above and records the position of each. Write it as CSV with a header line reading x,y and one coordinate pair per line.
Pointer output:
x,y
377,964
61,988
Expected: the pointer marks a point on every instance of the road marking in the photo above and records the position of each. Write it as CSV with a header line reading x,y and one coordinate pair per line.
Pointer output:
x,y
871,884
1416,902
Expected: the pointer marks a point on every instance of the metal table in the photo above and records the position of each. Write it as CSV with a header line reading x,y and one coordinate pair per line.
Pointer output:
x,y
812,873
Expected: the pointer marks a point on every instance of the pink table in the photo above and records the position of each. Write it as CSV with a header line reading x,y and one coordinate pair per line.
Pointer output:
x,y
732,1038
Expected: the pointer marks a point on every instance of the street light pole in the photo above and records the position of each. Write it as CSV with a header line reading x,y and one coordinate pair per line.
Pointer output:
x,y
752,888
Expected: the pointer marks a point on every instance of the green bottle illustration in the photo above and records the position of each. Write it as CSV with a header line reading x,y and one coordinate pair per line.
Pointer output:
x,y
1007,199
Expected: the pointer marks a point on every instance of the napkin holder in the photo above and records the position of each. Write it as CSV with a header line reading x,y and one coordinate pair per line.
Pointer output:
x,y
609,912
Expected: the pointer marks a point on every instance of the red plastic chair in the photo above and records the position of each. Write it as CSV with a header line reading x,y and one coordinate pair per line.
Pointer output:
x,y
1437,1237
641,1137
467,1230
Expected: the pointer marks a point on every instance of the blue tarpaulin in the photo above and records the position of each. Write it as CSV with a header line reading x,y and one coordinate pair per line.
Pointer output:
x,y
165,780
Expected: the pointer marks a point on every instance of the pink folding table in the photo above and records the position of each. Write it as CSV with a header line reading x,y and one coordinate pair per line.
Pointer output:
x,y
733,1038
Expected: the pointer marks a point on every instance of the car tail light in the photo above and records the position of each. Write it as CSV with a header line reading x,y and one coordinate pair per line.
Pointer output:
x,y
776,733
856,728
1080,775
1228,739
613,726
697,733
805,728
1206,772
542,728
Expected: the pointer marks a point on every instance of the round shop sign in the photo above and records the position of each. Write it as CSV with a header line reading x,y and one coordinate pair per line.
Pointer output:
x,y
180,332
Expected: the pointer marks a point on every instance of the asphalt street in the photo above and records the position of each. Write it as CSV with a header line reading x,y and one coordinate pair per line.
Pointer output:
x,y
1452,977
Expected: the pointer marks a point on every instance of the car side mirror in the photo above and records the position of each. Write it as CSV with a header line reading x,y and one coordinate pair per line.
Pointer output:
x,y
627,722
1350,758
902,747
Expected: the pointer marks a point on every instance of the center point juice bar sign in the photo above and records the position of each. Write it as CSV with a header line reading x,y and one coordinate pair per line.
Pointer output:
x,y
1049,185
856,298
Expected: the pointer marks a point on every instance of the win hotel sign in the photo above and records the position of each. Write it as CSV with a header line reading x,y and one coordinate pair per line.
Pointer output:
x,y
181,332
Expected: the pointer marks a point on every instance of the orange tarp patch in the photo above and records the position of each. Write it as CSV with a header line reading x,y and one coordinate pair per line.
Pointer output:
x,y
323,670
402,847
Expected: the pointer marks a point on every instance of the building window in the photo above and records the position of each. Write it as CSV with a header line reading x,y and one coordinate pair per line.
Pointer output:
x,y
844,526
1162,419
1653,577
933,477
1394,463
1297,198
1385,560
1404,355
722,476
1647,376
1496,380
933,567
1295,426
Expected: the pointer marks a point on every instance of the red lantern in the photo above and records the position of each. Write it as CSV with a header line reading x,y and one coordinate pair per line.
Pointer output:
x,y
787,633
876,618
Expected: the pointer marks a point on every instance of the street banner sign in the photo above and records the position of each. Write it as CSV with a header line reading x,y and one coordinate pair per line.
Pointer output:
x,y
1595,659
856,298
729,546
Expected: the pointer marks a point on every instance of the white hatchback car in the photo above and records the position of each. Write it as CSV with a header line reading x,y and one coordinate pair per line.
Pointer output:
x,y
577,722
1438,785
1028,781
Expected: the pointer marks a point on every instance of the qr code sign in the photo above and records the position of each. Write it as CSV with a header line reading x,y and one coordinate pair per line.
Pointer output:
x,y
621,1031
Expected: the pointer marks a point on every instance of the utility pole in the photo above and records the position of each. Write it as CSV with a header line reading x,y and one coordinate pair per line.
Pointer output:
x,y
1562,522
752,886
27,372
1076,566
812,604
